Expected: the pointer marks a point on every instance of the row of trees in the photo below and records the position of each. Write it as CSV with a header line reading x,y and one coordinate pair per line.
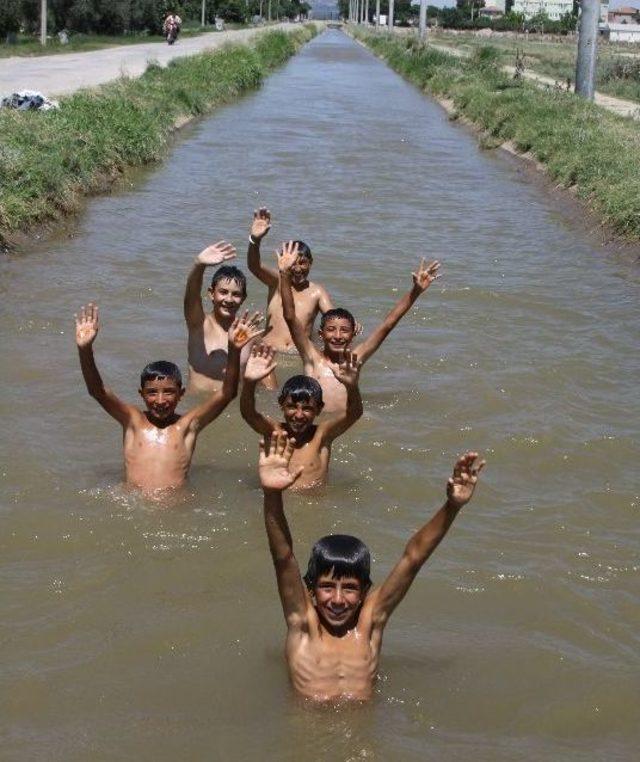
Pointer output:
x,y
123,16
466,16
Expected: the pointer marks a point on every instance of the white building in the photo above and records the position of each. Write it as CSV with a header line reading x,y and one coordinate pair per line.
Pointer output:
x,y
555,9
622,32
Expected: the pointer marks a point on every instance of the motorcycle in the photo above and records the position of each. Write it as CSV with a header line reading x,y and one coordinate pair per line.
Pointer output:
x,y
172,33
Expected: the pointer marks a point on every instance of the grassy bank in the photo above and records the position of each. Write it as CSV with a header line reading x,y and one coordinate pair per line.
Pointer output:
x,y
50,160
618,72
580,145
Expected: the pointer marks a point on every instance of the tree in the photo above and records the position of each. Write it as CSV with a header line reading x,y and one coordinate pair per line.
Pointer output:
x,y
10,15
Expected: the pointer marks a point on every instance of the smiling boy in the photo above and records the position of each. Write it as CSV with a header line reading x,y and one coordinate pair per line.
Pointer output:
x,y
158,443
310,298
207,344
301,402
335,619
338,327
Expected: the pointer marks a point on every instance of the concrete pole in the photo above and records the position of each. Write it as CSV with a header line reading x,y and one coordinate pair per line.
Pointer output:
x,y
350,11
587,48
423,19
43,22
203,15
391,3
377,14
366,12
269,11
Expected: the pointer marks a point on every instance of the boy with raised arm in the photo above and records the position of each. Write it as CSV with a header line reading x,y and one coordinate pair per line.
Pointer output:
x,y
208,331
301,402
338,327
158,443
309,298
335,620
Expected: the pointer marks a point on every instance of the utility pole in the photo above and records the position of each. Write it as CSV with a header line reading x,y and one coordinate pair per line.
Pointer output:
x,y
377,14
203,15
366,12
269,11
391,2
423,19
587,48
43,22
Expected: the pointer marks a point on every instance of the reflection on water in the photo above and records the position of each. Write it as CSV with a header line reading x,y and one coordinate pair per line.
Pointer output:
x,y
137,629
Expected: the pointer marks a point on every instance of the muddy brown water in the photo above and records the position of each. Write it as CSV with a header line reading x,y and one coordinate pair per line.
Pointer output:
x,y
137,631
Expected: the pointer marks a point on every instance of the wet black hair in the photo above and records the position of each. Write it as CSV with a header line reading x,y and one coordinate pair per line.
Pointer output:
x,y
229,272
160,369
304,250
338,312
301,389
341,555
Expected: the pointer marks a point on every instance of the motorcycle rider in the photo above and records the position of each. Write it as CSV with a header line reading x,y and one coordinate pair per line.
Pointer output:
x,y
171,22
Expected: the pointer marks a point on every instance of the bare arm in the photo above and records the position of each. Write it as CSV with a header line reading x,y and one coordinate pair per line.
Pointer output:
x,y
275,454
303,343
460,489
347,373
243,330
87,327
324,301
212,255
259,228
421,281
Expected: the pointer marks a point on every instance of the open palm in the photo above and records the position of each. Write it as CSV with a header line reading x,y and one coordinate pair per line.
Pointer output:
x,y
461,485
261,223
260,363
273,465
216,253
87,325
426,274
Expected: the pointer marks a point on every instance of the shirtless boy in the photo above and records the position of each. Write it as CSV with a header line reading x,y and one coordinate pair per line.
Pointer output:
x,y
208,339
309,298
158,443
301,402
338,327
335,620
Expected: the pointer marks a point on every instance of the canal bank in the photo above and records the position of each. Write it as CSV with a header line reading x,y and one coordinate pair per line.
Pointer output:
x,y
583,148
50,161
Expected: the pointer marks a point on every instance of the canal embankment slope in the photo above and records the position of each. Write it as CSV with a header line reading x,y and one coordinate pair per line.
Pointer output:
x,y
50,161
582,147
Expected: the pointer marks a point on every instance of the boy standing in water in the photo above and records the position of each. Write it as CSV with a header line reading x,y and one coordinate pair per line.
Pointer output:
x,y
335,621
301,403
309,298
208,331
158,443
338,327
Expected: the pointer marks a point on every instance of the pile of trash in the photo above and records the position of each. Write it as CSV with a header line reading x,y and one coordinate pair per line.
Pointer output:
x,y
28,100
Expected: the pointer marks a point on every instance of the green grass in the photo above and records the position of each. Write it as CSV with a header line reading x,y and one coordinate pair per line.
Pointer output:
x,y
80,43
50,160
558,60
580,144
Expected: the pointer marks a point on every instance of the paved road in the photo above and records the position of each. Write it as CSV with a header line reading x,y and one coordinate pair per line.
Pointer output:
x,y
64,73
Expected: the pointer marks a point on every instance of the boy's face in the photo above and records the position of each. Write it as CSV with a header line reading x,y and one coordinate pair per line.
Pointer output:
x,y
337,334
338,601
227,297
299,416
300,270
161,396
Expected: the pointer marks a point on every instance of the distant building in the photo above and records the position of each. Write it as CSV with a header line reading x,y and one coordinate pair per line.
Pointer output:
x,y
625,15
621,32
491,12
555,9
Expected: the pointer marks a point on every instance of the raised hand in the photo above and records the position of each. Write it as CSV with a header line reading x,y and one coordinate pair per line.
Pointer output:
x,y
87,325
461,485
216,254
426,274
287,256
245,329
260,363
273,464
347,371
261,223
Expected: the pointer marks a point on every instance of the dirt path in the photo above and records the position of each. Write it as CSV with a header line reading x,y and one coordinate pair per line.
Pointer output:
x,y
64,73
617,105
